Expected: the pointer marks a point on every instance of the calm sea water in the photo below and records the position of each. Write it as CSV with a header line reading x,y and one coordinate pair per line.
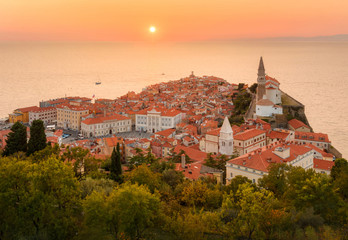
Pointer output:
x,y
315,73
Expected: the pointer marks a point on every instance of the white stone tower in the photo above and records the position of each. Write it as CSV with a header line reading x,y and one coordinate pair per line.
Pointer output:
x,y
261,81
226,138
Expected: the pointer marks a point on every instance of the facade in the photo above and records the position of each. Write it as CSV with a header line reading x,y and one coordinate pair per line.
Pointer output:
x,y
266,108
219,140
272,90
226,138
323,166
21,114
255,164
47,115
155,120
249,140
297,125
69,116
320,140
212,141
105,125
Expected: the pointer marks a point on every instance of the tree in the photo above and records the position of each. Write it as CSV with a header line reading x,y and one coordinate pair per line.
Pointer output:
x,y
248,210
38,200
81,161
16,140
176,157
116,167
143,175
37,139
253,88
275,180
127,212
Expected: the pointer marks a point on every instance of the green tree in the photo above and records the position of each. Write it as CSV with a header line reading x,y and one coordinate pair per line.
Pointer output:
x,y
234,184
127,212
37,139
276,179
143,175
116,167
16,140
38,200
339,174
247,211
253,88
176,157
82,162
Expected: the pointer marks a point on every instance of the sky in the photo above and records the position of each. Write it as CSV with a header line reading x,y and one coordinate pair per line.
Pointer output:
x,y
175,20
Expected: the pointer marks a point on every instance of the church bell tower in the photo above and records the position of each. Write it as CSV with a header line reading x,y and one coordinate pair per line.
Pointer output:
x,y
261,81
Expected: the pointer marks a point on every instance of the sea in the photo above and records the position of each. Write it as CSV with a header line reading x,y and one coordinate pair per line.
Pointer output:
x,y
313,72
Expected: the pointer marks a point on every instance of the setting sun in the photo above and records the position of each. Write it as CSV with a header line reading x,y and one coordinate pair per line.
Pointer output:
x,y
152,29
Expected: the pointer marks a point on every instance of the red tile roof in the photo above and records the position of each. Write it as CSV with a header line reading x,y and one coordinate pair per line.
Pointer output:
x,y
318,137
166,133
194,154
28,109
297,124
214,132
262,158
248,134
278,135
323,164
97,120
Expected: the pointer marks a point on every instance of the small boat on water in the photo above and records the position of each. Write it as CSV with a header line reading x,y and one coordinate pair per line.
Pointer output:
x,y
97,83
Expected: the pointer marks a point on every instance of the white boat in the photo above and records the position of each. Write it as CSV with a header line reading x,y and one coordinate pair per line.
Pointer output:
x,y
97,83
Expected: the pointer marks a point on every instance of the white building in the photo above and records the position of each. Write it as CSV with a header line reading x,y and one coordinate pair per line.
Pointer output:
x,y
249,140
272,90
268,94
266,108
157,119
219,140
255,164
102,126
226,138
47,115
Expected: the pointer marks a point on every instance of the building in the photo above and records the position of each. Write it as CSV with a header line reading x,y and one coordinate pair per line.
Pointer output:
x,y
226,138
105,125
21,114
249,140
157,119
320,140
322,166
268,94
47,115
261,81
297,125
107,145
255,165
69,116
266,108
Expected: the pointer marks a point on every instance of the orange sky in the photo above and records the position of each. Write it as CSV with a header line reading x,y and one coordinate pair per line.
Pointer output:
x,y
176,20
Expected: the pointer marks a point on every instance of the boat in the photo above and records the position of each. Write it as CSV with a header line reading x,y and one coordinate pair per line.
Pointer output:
x,y
99,82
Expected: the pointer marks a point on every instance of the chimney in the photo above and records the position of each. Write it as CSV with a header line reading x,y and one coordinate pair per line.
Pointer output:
x,y
183,161
104,112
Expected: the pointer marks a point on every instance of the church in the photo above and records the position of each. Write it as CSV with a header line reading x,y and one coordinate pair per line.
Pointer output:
x,y
268,95
219,140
